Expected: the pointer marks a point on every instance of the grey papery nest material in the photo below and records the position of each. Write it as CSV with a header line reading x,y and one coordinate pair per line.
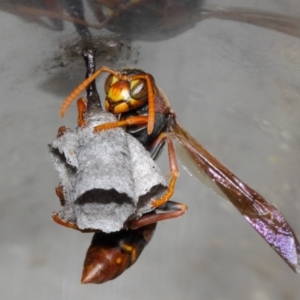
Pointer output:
x,y
108,177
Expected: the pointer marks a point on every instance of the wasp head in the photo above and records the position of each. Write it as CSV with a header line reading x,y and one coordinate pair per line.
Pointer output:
x,y
125,92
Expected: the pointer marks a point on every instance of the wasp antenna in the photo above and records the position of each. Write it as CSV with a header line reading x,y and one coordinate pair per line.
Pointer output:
x,y
81,87
151,100
151,103
151,116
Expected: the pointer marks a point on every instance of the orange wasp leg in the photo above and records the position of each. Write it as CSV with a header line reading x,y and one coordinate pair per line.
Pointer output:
x,y
81,106
173,210
56,218
173,168
61,130
136,120
60,195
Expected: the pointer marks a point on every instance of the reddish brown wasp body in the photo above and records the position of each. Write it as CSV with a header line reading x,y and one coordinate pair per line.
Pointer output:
x,y
153,122
111,254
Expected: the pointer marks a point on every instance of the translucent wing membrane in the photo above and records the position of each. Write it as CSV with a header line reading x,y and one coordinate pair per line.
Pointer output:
x,y
281,23
263,216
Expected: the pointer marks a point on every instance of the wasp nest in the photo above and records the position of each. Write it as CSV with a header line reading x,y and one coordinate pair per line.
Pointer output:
x,y
108,178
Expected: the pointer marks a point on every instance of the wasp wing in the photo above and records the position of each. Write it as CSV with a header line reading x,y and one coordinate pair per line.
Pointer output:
x,y
278,22
264,217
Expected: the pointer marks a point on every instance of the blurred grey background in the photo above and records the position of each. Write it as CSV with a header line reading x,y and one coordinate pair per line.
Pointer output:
x,y
235,88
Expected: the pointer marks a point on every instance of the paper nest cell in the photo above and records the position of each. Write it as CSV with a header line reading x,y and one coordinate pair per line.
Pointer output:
x,y
108,177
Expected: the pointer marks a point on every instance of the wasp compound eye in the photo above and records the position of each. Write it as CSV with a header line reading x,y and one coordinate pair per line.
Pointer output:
x,y
138,89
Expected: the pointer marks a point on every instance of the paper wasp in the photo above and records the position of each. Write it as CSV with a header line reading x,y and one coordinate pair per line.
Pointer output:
x,y
145,112
110,254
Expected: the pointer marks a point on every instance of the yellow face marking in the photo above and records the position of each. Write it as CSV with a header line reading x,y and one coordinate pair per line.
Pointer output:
x,y
119,91
116,94
114,80
120,108
125,94
133,255
118,260
127,247
133,83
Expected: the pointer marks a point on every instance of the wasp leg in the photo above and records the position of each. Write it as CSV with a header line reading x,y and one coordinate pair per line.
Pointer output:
x,y
171,210
136,120
60,194
56,218
173,168
61,130
155,147
81,106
